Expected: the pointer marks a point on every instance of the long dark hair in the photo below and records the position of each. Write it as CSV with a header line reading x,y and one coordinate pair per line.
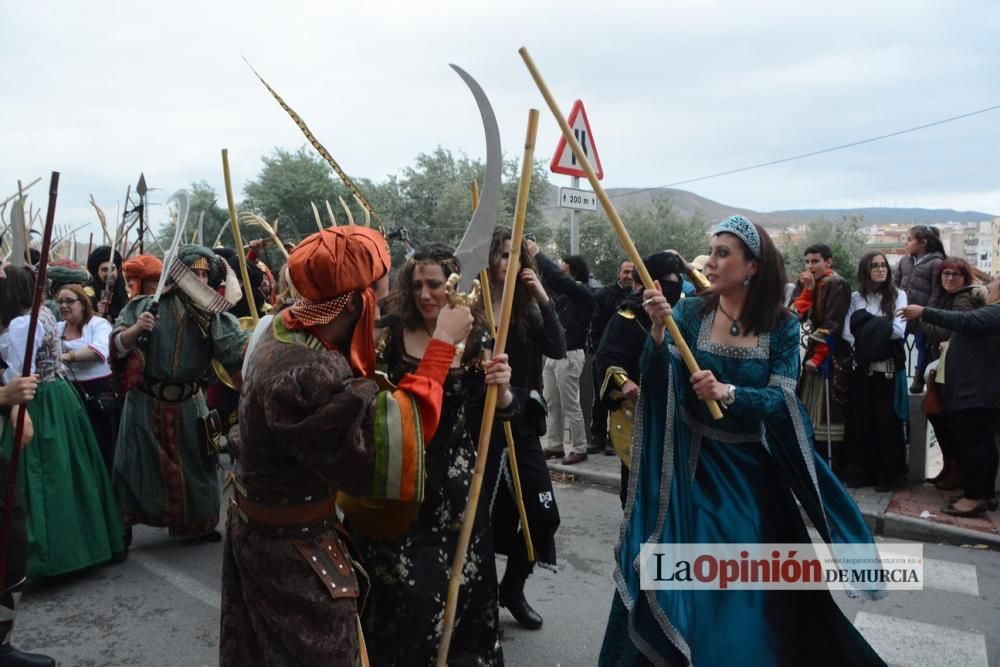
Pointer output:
x,y
930,234
523,302
17,293
401,302
886,291
763,310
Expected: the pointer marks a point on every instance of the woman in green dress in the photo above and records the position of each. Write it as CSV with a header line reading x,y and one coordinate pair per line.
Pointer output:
x,y
72,516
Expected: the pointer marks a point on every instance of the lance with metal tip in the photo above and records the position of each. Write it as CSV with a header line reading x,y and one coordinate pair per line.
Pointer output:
x,y
29,357
616,221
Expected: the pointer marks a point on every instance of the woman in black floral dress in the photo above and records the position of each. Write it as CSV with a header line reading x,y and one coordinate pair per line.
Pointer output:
x,y
409,572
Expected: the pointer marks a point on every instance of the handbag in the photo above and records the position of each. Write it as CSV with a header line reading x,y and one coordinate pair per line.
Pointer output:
x,y
932,398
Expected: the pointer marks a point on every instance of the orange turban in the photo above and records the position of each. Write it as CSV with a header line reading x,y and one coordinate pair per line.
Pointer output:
x,y
326,269
141,268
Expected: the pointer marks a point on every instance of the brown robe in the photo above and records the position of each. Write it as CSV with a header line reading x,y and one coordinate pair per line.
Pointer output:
x,y
306,427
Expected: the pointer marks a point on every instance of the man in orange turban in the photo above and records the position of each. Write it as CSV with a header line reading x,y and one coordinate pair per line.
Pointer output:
x,y
313,421
142,272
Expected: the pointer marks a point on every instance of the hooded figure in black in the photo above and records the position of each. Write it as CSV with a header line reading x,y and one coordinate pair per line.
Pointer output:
x,y
617,358
98,264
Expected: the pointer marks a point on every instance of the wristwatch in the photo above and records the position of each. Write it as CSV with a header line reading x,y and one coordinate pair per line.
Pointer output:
x,y
730,396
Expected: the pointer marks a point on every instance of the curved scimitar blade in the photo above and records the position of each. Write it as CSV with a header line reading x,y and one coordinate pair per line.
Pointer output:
x,y
474,250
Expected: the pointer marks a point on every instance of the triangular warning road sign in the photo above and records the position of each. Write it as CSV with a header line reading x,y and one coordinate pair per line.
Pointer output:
x,y
564,162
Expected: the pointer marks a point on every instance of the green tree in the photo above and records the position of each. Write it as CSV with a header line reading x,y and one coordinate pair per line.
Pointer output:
x,y
659,227
846,240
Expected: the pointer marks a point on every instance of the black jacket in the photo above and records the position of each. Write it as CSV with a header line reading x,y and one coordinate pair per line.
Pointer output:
x,y
623,342
973,361
606,302
574,301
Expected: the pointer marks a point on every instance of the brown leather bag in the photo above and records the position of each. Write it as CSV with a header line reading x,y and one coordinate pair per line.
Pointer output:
x,y
932,398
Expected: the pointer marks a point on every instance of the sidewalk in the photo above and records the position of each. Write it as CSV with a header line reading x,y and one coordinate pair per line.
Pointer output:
x,y
912,512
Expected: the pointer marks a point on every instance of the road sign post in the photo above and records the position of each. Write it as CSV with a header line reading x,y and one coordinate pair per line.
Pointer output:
x,y
564,162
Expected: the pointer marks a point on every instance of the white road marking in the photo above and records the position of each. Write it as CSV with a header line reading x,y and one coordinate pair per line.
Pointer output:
x,y
189,585
902,642
945,575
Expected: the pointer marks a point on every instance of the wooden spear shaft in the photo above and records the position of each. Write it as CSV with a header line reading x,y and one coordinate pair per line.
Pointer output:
x,y
29,356
234,223
508,432
489,408
616,222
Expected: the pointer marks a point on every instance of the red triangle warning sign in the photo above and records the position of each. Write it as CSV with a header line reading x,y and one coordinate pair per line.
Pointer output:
x,y
564,162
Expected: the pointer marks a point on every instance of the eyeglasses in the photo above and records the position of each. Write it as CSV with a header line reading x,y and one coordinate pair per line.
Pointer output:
x,y
879,265
951,274
67,302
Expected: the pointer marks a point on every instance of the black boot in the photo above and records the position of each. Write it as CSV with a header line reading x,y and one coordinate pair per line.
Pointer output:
x,y
10,656
512,593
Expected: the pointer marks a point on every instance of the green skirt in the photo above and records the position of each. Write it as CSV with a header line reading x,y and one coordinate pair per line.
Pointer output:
x,y
72,516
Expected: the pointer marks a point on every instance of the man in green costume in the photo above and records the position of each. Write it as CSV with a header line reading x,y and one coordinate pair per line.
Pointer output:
x,y
165,462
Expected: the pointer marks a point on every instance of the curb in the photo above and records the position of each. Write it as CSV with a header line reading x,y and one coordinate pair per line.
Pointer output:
x,y
606,479
888,524
910,528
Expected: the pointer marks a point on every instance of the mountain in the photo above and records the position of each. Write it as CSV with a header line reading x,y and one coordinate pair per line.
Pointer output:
x,y
687,203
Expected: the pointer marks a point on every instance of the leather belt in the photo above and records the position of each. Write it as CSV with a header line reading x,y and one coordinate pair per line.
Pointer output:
x,y
292,521
171,392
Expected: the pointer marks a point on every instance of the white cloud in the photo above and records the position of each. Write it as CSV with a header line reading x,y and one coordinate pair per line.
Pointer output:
x,y
104,90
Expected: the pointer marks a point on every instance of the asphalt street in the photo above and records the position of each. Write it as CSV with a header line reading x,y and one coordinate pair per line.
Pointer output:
x,y
161,607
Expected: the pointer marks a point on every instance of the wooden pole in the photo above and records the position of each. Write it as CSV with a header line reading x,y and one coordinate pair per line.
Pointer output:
x,y
29,357
489,407
515,472
234,223
616,222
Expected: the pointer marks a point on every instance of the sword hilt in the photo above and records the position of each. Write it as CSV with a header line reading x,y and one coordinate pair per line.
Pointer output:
x,y
458,298
143,339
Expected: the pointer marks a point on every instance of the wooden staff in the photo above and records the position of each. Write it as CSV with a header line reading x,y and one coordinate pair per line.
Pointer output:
x,y
616,222
515,472
489,408
19,193
234,223
29,357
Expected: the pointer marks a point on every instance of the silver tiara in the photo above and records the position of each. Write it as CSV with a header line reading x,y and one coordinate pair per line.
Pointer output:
x,y
741,227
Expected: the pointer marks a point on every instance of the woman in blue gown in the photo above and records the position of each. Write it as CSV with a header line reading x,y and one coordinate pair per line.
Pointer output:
x,y
696,480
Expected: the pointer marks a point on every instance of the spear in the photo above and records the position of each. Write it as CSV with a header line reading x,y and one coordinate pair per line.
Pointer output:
x,y
489,407
515,472
616,221
29,357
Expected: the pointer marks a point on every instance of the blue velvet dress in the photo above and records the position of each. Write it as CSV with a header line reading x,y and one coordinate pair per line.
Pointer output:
x,y
695,480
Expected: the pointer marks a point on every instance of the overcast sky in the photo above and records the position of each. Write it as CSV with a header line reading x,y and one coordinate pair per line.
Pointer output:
x,y
674,90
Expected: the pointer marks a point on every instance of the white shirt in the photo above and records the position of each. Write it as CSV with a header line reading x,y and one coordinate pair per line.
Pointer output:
x,y
12,345
96,336
873,304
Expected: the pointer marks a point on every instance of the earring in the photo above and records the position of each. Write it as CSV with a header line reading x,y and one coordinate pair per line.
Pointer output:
x,y
746,283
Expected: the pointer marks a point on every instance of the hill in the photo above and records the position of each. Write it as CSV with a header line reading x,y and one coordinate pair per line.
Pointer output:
x,y
688,203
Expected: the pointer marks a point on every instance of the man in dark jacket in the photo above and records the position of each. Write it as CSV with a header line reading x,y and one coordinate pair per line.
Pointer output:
x,y
574,302
606,303
821,299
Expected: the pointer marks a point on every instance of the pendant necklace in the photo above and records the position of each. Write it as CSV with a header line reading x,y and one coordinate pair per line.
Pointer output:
x,y
734,328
